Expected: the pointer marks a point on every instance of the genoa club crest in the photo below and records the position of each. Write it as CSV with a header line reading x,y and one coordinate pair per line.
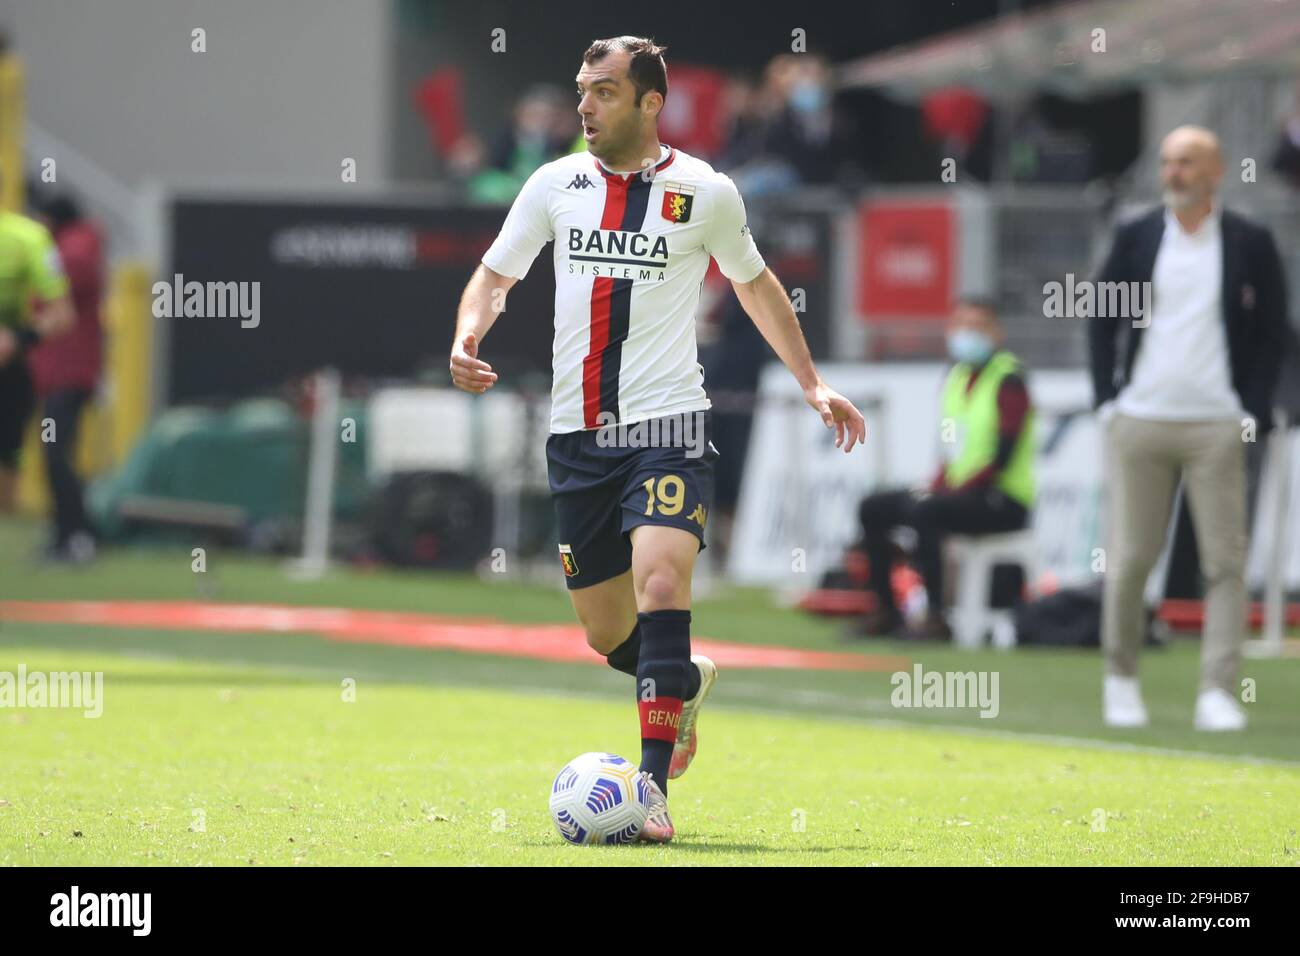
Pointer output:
x,y
566,559
677,202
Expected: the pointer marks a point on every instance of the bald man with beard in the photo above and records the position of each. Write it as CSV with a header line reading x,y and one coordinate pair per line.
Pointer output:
x,y
1180,388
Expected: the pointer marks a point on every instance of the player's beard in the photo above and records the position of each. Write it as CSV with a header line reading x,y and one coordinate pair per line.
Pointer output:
x,y
616,141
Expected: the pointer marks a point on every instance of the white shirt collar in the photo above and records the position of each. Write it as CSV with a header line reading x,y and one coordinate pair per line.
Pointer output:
x,y
1209,225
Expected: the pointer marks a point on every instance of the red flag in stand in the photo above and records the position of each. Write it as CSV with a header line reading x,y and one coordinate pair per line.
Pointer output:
x,y
438,98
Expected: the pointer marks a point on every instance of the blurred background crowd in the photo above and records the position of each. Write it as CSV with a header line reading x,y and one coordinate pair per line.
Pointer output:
x,y
356,160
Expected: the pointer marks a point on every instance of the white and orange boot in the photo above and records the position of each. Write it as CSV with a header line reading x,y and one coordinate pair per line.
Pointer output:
x,y
687,738
658,826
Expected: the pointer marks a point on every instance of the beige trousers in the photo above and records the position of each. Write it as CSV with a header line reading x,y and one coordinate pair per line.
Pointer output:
x,y
1144,462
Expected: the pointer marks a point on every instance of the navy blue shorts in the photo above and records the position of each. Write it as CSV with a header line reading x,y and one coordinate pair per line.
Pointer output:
x,y
607,481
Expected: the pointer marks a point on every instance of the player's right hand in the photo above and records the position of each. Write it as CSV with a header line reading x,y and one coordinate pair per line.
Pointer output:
x,y
467,372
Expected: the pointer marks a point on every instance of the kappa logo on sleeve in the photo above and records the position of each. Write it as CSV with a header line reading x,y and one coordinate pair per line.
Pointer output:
x,y
566,559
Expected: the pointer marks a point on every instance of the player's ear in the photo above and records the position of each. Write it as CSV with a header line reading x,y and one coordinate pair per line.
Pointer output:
x,y
652,103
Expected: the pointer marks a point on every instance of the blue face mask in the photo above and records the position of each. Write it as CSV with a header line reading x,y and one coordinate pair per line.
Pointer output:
x,y
969,346
807,97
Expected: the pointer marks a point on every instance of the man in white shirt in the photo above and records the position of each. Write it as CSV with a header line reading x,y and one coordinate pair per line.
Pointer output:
x,y
1194,383
629,458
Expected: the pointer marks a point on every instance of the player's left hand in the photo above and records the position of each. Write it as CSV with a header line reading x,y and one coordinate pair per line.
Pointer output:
x,y
838,413
468,372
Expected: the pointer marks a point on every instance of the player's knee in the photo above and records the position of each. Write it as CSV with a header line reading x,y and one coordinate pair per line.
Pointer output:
x,y
663,588
1224,563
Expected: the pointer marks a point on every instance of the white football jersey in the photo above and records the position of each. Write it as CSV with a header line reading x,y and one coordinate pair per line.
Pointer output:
x,y
631,251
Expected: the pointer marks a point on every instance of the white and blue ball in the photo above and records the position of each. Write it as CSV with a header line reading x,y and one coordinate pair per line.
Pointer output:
x,y
599,798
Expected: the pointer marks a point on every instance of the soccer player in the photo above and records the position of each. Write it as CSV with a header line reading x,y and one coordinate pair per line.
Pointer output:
x,y
634,223
34,304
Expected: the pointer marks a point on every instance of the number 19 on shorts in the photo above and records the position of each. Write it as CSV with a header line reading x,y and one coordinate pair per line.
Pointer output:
x,y
668,493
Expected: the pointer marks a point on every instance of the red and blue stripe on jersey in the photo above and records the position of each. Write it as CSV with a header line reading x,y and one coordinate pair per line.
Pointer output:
x,y
626,202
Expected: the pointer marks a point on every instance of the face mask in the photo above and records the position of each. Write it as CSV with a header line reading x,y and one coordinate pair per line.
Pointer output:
x,y
969,346
807,97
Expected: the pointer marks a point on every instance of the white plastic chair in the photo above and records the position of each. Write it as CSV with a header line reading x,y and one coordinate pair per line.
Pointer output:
x,y
974,558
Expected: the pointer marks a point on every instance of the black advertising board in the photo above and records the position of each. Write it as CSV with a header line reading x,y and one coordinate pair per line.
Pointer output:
x,y
369,288
278,288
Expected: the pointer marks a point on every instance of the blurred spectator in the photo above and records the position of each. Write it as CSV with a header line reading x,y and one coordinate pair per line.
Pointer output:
x,y
954,119
742,135
804,139
1286,161
33,305
543,129
1286,158
65,372
986,486
466,158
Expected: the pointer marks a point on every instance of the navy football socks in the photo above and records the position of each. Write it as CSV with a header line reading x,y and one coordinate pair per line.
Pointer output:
x,y
627,656
661,686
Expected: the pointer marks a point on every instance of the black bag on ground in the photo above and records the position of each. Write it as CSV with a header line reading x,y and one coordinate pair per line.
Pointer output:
x,y
432,520
1070,617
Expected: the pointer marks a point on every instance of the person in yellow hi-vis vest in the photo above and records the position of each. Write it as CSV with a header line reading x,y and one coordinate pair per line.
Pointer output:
x,y
985,484
34,304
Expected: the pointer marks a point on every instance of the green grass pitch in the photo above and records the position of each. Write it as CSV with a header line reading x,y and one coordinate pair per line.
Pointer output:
x,y
239,749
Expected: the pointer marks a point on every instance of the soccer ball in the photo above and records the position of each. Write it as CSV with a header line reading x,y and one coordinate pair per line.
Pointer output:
x,y
599,798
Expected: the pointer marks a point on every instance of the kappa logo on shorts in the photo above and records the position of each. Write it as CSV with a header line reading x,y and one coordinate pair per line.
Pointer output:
x,y
698,515
566,559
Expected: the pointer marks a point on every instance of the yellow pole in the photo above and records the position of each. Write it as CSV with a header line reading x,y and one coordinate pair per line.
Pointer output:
x,y
129,360
11,133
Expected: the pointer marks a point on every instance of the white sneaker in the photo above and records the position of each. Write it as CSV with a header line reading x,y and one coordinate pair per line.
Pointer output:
x,y
1122,702
1218,710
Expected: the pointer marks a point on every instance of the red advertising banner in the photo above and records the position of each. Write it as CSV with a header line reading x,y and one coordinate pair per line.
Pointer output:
x,y
905,265
692,117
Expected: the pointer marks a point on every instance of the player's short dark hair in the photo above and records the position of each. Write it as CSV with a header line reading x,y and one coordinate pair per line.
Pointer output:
x,y
647,71
985,303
